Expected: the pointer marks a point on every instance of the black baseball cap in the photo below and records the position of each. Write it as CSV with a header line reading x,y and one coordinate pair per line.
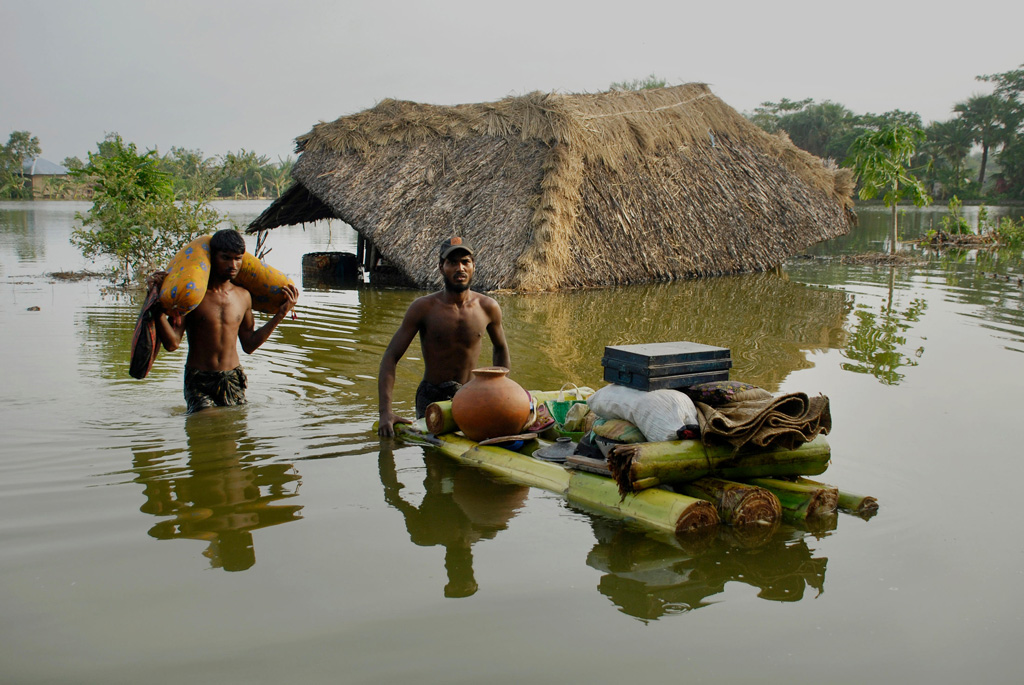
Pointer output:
x,y
454,245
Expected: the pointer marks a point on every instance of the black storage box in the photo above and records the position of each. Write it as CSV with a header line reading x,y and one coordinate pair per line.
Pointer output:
x,y
655,366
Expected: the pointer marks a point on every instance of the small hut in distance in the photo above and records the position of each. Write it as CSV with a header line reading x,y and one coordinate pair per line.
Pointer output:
x,y
558,191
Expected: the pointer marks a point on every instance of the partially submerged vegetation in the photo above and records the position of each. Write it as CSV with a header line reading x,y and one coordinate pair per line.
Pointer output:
x,y
990,233
135,219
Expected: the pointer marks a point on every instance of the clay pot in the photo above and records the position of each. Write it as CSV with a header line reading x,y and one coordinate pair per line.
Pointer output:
x,y
491,405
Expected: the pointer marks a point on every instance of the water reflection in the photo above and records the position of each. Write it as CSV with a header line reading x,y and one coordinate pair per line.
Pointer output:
x,y
18,233
462,505
226,492
769,322
877,342
648,578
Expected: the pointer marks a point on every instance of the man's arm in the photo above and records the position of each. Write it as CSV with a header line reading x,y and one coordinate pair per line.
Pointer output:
x,y
501,356
169,330
252,339
389,363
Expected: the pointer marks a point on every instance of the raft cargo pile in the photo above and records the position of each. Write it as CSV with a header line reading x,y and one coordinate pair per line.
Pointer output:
x,y
670,443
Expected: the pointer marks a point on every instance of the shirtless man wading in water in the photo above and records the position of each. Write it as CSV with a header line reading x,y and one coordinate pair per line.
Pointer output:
x,y
213,373
451,324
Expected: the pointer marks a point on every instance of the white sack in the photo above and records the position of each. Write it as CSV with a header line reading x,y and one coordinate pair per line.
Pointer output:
x,y
658,413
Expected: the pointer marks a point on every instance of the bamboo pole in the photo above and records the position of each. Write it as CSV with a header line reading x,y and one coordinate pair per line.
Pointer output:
x,y
853,503
658,508
738,504
801,501
438,416
648,464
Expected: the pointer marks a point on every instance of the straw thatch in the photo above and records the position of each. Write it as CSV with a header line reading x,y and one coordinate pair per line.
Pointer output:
x,y
562,191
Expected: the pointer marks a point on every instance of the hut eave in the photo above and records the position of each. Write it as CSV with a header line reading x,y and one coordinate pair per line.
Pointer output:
x,y
295,206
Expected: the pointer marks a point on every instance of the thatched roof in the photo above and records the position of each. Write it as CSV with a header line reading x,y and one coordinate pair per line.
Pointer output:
x,y
561,191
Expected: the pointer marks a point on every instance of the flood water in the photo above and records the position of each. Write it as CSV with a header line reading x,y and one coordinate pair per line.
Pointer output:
x,y
282,541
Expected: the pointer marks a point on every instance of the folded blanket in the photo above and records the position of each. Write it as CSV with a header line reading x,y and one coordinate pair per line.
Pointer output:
x,y
785,421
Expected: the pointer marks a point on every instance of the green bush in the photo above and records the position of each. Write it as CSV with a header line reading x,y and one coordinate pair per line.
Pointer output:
x,y
134,218
954,223
1010,232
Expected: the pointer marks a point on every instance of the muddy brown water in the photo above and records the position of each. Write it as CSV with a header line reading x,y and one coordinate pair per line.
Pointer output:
x,y
282,541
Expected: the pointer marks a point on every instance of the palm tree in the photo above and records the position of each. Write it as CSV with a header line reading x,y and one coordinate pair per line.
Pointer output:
x,y
986,116
951,140
280,174
248,167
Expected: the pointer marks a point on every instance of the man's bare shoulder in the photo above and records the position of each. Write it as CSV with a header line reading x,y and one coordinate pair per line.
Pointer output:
x,y
489,304
425,303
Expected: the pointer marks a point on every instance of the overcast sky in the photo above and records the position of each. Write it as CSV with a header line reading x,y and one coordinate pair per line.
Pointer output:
x,y
223,75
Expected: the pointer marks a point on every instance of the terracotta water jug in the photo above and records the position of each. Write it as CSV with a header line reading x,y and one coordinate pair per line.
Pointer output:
x,y
491,405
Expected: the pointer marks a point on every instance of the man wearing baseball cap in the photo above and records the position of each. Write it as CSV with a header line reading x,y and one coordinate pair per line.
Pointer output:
x,y
451,324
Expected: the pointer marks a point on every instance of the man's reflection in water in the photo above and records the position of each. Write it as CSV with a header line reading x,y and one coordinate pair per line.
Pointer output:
x,y
225,493
462,505
648,578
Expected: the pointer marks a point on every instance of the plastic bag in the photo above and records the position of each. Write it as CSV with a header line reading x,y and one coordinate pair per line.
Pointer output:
x,y
658,413
575,417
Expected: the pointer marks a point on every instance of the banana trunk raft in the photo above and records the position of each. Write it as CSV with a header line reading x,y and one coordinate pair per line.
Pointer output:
x,y
673,486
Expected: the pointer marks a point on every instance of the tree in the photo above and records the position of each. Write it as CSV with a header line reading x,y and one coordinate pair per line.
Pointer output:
x,y
881,160
1010,88
769,115
1009,84
815,125
947,144
280,175
825,129
134,218
21,146
195,176
244,168
987,116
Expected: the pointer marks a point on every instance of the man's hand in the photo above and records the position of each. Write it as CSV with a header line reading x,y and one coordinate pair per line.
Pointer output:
x,y
291,295
155,280
386,427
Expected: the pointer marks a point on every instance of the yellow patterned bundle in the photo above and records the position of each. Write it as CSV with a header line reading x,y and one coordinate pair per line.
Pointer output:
x,y
188,274
263,282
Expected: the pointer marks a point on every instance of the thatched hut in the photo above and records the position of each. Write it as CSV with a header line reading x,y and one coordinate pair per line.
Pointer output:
x,y
564,191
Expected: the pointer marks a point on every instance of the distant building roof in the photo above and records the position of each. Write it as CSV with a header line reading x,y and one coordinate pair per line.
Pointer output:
x,y
43,167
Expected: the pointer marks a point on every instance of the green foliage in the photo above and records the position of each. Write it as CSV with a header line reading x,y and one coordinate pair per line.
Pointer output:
x,y
245,172
993,122
1009,84
651,81
877,345
194,176
1010,232
769,115
946,146
826,129
73,163
134,218
954,222
881,160
21,146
